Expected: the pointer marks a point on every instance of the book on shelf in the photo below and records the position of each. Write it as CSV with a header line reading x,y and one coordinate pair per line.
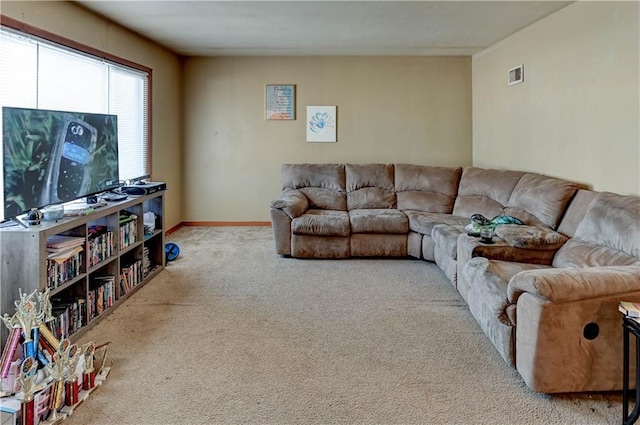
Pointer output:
x,y
101,246
68,316
63,242
130,276
101,295
65,254
63,267
628,308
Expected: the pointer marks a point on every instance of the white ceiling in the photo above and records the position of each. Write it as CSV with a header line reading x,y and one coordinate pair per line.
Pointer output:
x,y
292,28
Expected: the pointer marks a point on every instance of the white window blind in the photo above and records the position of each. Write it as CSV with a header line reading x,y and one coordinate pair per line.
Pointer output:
x,y
128,100
68,81
18,53
36,73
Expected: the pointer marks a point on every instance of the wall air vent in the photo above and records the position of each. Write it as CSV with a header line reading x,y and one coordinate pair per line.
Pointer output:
x,y
516,75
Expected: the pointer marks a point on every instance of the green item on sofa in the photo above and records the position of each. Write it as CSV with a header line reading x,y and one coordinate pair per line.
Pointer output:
x,y
480,222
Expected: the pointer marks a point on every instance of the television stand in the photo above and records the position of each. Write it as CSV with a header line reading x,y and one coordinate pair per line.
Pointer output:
x,y
117,258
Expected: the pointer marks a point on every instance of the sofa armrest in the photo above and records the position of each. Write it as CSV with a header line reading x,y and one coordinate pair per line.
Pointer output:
x,y
530,237
470,246
291,201
573,284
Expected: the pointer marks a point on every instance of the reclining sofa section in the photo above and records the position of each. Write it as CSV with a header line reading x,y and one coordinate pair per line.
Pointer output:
x,y
545,293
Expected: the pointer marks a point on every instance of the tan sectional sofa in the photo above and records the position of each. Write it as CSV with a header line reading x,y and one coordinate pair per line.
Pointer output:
x,y
545,292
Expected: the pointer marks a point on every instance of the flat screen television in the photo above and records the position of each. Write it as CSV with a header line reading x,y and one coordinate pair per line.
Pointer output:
x,y
52,157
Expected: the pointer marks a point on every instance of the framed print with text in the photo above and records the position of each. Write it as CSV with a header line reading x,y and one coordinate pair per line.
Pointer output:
x,y
280,102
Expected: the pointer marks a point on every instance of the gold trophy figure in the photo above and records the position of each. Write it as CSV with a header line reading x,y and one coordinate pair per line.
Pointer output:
x,y
31,309
104,369
45,306
26,318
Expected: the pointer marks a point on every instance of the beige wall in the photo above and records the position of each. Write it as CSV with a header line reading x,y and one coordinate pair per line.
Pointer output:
x,y
70,21
576,115
390,109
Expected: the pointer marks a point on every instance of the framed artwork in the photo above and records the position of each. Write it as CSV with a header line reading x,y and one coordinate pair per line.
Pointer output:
x,y
280,102
321,123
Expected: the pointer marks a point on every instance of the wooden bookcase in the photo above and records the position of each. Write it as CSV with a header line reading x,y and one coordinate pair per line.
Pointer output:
x,y
24,264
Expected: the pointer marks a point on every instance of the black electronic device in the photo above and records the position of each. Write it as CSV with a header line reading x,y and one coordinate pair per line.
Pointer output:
x,y
114,197
143,188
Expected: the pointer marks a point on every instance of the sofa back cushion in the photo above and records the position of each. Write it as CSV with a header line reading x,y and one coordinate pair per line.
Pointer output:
x,y
539,200
484,191
322,184
426,188
575,211
608,235
370,186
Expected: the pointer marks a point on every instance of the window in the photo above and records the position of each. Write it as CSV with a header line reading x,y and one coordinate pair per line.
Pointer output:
x,y
37,73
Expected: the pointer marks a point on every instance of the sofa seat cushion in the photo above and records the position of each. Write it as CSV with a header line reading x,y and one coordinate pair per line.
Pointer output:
x,y
424,222
378,221
446,239
321,223
530,237
579,253
489,280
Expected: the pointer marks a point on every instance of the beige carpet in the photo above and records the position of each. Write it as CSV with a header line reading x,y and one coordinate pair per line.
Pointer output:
x,y
232,333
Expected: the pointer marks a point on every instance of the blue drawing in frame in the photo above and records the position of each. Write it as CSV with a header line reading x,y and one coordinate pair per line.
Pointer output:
x,y
321,123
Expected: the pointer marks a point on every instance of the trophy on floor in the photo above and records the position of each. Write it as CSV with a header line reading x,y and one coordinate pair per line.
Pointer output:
x,y
31,310
27,381
72,386
89,374
27,317
104,368
58,371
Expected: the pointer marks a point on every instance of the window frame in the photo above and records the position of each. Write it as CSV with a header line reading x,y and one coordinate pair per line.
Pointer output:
x,y
19,26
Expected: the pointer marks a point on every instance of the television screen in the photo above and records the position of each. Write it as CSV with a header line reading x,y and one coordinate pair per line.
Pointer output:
x,y
52,157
